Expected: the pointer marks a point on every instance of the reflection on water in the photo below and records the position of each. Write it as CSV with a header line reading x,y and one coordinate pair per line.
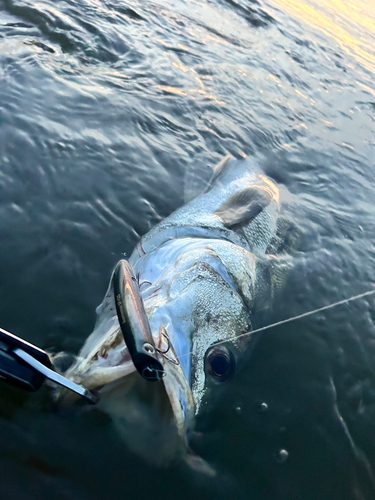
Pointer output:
x,y
351,24
112,113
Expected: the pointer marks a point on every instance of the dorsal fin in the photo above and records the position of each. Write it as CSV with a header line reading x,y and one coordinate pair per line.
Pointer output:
x,y
243,206
220,167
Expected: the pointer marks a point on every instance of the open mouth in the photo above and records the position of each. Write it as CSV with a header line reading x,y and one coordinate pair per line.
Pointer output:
x,y
138,377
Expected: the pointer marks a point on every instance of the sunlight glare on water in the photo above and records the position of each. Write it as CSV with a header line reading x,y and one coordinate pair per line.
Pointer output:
x,y
112,114
351,24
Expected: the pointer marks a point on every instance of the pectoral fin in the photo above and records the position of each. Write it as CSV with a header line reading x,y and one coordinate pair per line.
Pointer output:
x,y
244,206
198,464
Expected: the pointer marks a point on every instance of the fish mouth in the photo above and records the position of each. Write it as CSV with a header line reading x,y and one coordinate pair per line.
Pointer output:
x,y
153,418
176,385
150,412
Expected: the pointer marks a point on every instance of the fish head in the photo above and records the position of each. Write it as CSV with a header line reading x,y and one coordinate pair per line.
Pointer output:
x,y
214,369
195,321
205,315
215,322
153,418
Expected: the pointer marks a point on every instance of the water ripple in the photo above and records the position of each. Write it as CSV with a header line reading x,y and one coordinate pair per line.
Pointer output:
x,y
113,113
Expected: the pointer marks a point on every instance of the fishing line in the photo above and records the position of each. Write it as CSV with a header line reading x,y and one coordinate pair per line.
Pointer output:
x,y
294,318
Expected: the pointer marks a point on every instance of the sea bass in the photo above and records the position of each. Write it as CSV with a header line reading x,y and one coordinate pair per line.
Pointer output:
x,y
205,274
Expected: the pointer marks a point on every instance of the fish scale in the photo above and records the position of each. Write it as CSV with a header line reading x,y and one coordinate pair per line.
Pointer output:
x,y
205,274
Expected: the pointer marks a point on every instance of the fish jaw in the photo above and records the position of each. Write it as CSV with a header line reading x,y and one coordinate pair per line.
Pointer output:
x,y
98,364
177,386
153,418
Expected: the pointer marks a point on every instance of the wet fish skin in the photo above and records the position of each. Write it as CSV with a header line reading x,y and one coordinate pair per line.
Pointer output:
x,y
204,272
204,262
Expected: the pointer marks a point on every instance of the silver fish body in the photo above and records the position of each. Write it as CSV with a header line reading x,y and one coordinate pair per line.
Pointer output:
x,y
204,273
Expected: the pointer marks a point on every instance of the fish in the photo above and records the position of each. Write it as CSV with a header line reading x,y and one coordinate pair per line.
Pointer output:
x,y
206,274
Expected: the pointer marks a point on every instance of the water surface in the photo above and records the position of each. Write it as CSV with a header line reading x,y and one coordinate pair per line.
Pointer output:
x,y
111,116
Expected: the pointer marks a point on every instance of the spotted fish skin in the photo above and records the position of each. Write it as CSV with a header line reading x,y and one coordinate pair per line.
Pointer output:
x,y
240,205
205,272
210,268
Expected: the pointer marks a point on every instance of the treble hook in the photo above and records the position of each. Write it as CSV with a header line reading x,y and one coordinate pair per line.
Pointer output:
x,y
164,333
140,283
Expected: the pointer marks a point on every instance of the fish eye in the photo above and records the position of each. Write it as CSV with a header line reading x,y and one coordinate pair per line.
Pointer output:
x,y
220,363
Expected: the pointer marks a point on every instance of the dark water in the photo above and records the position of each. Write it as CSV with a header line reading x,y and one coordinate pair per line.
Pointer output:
x,y
109,113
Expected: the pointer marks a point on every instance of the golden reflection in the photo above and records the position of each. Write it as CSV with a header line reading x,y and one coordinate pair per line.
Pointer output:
x,y
180,47
275,79
366,88
328,14
183,47
180,66
352,11
207,96
300,94
171,90
216,39
190,91
200,82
